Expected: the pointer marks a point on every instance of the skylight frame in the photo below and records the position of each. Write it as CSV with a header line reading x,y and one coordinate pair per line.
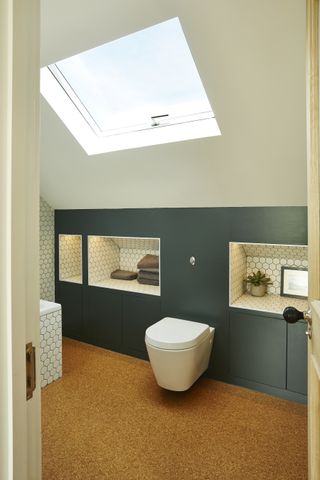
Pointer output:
x,y
161,129
65,85
170,120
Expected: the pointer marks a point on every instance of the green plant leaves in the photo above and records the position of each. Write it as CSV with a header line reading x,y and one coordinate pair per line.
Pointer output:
x,y
258,278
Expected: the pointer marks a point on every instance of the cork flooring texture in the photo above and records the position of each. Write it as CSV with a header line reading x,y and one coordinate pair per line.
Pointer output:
x,y
107,419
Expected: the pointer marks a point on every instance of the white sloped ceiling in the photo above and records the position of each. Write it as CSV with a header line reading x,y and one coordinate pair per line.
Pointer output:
x,y
251,58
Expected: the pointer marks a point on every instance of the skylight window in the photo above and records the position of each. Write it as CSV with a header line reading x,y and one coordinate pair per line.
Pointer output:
x,y
143,89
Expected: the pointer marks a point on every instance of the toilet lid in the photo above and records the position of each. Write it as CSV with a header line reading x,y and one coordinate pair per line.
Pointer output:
x,y
176,334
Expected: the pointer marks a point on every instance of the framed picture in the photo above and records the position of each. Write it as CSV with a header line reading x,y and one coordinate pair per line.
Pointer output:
x,y
294,282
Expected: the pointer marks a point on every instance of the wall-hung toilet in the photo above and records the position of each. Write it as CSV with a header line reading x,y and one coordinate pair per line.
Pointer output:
x,y
179,351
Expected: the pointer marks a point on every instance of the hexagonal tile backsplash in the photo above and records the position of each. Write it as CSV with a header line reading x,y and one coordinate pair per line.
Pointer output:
x,y
238,269
272,268
103,258
46,247
107,254
70,258
246,258
129,257
50,347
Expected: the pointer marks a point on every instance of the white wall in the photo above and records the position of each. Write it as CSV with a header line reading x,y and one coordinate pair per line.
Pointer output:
x,y
251,58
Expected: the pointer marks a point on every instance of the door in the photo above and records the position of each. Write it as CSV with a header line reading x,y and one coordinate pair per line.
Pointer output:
x,y
19,232
313,132
314,394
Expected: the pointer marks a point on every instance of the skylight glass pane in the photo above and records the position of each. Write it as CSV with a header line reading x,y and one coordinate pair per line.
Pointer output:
x,y
122,84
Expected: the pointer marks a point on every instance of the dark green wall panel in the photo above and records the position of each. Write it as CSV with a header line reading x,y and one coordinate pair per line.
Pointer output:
x,y
197,293
139,312
102,317
297,358
258,348
269,225
70,296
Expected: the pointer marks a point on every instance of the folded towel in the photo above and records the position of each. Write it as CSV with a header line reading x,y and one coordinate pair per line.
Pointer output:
x,y
146,275
147,281
146,269
123,275
149,261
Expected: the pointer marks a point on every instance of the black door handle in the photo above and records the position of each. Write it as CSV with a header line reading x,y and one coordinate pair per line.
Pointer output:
x,y
292,315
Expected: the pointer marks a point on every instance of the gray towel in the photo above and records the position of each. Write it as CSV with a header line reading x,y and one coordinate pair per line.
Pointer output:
x,y
123,275
147,275
149,261
146,269
146,281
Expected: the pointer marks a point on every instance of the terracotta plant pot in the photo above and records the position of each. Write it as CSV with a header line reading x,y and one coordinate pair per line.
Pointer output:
x,y
258,290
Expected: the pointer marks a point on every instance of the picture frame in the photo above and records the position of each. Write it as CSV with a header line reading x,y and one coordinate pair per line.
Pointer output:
x,y
294,282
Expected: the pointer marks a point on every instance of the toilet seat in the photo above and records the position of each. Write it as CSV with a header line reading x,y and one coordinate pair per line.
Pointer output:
x,y
176,334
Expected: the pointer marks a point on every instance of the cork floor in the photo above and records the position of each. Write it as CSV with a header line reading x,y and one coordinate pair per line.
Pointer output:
x,y
107,419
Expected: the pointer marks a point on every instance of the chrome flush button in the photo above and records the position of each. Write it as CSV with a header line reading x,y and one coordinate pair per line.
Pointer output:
x,y
192,261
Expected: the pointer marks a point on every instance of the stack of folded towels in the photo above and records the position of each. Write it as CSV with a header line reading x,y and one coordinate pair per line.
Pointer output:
x,y
148,273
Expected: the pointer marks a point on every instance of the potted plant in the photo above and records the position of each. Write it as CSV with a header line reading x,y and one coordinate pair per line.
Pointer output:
x,y
258,282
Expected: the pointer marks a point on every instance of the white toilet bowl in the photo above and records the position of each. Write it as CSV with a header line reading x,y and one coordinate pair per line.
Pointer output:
x,y
179,351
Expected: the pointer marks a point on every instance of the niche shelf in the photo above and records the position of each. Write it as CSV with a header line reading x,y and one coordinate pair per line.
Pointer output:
x,y
108,253
248,257
70,258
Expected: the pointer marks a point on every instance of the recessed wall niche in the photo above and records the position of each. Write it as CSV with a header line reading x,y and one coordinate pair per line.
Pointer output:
x,y
245,258
107,254
70,258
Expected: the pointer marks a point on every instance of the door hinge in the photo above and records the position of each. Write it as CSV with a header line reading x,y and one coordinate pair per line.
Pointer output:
x,y
30,369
